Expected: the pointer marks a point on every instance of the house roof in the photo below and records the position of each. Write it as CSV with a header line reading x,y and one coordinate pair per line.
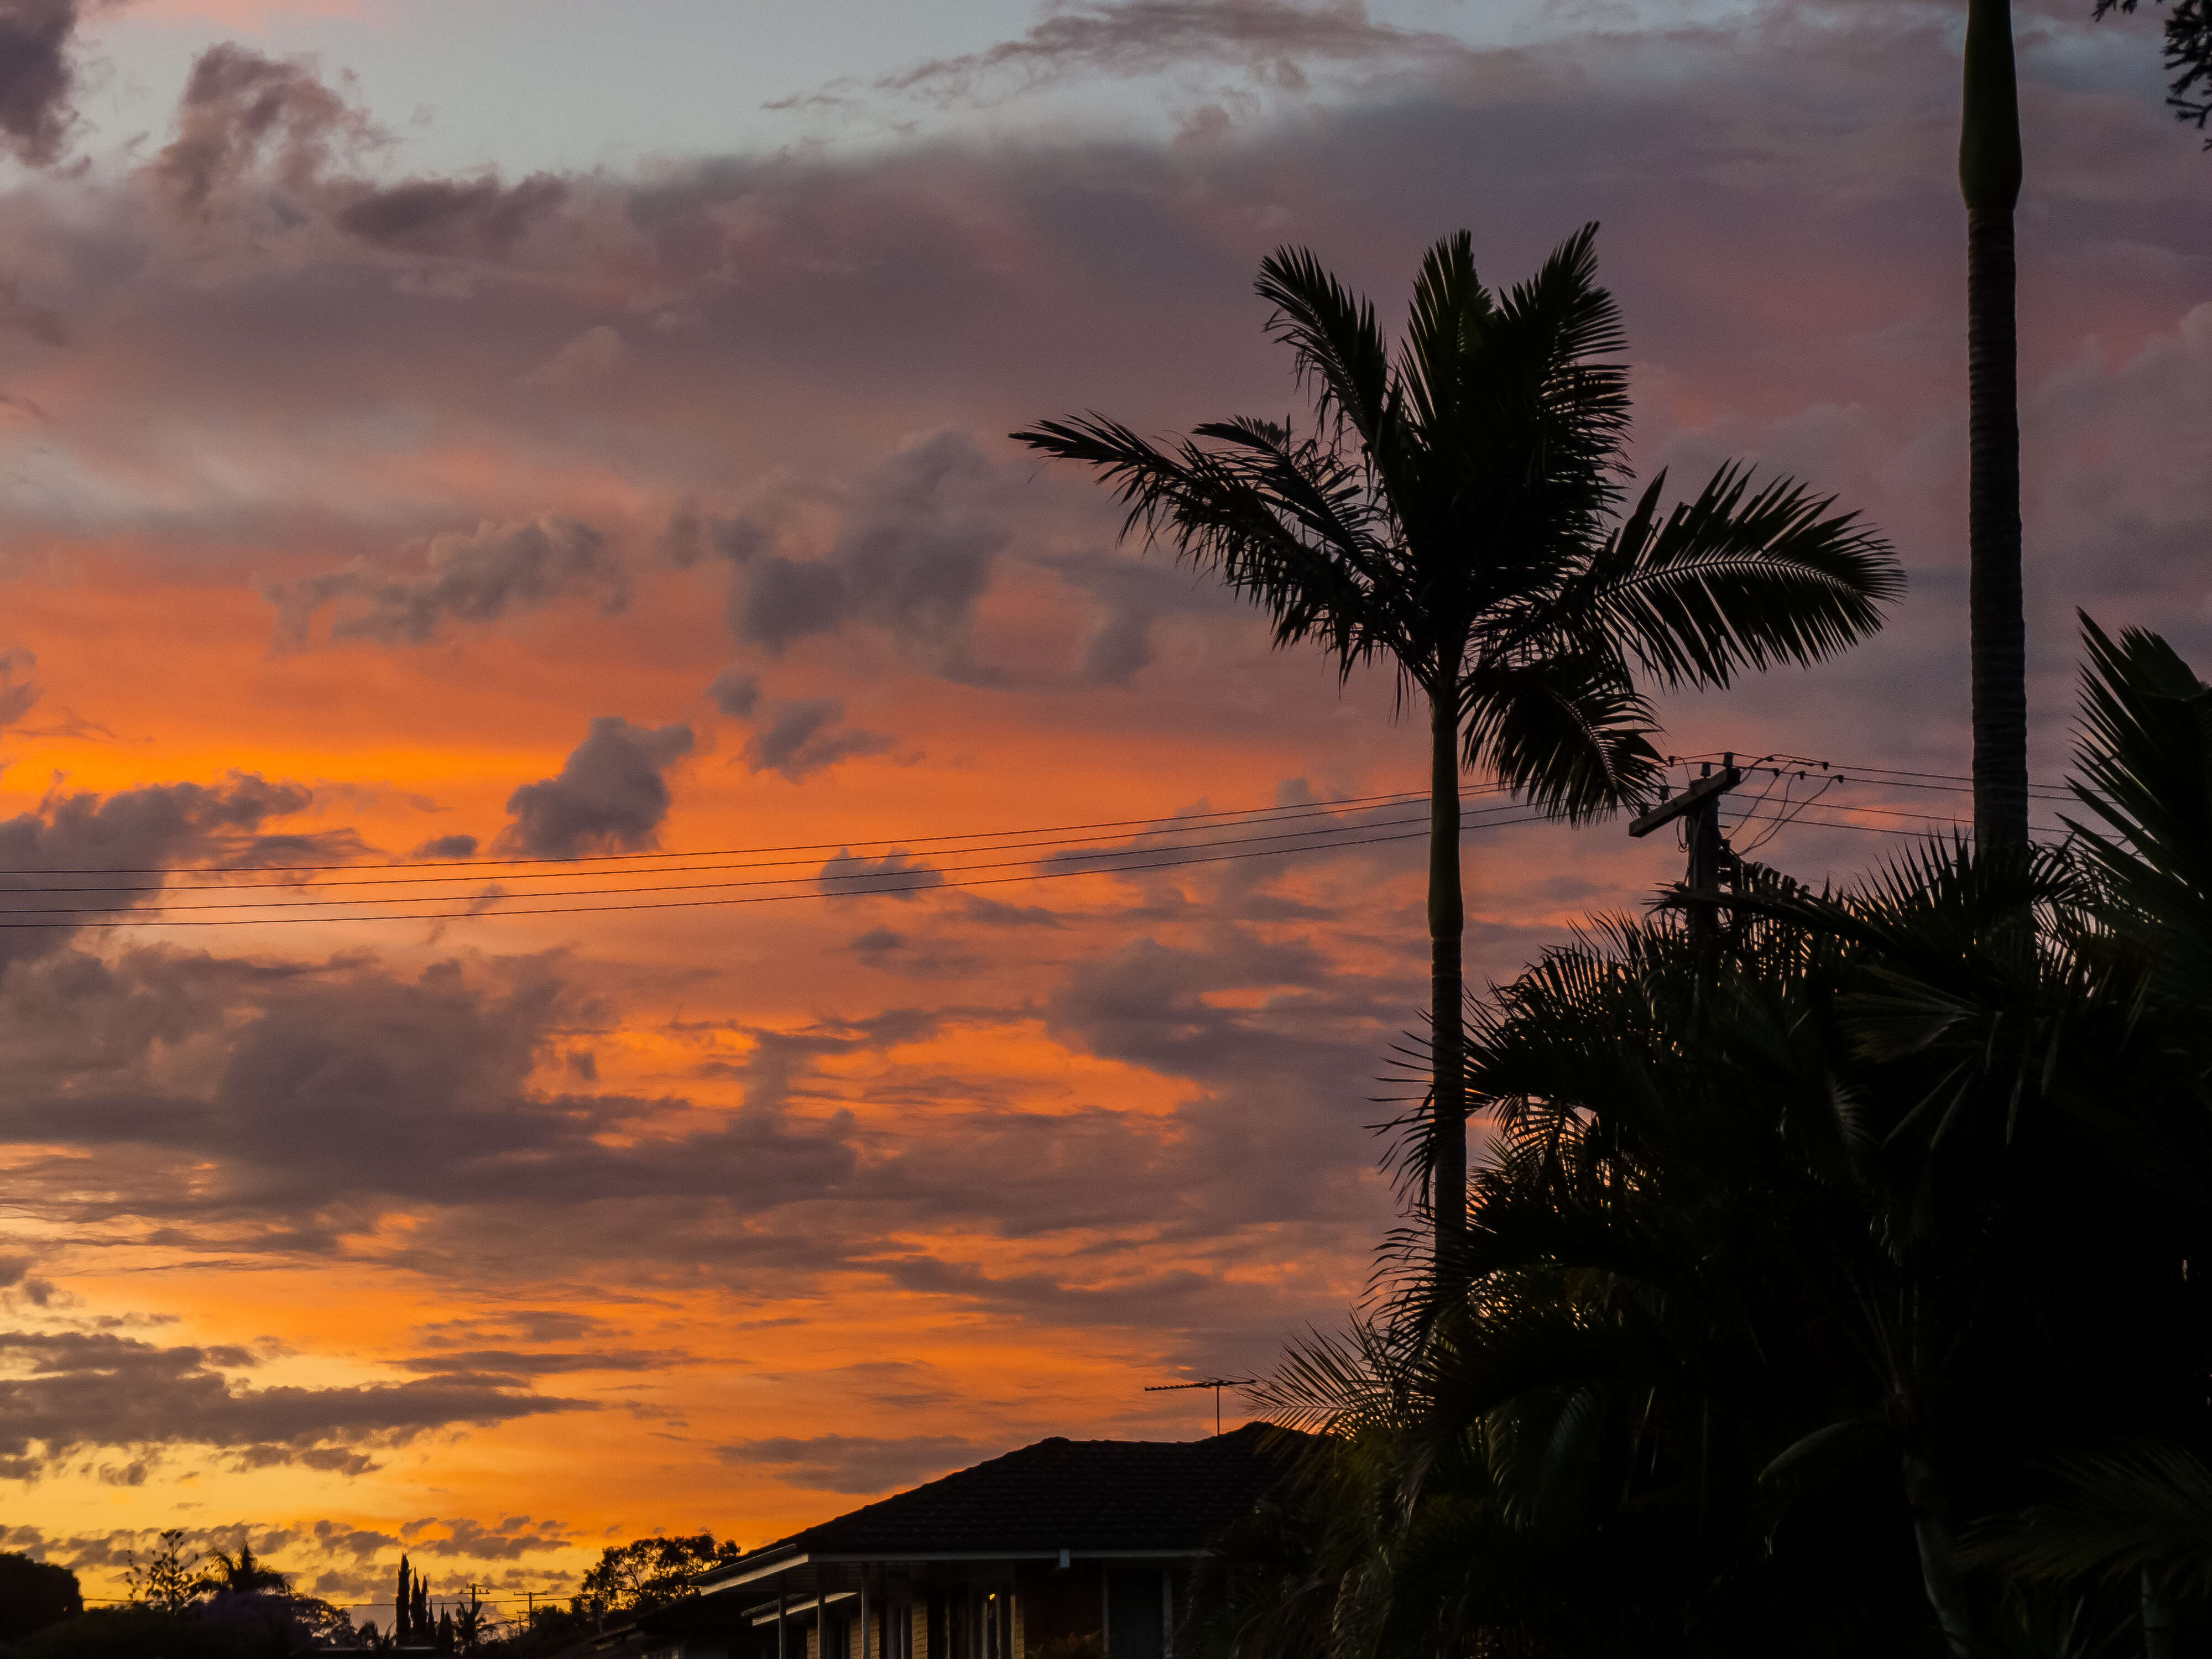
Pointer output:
x,y
1085,1496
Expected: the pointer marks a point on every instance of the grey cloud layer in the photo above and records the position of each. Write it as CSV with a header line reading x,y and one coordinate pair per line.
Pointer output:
x,y
473,577
18,691
796,737
935,284
920,541
856,1463
241,108
803,736
914,555
286,1109
459,218
63,1393
1143,37
267,141
610,795
133,835
36,76
329,1095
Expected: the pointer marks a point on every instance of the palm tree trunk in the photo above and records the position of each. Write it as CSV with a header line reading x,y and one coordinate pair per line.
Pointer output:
x,y
1941,1578
1988,178
2157,1619
1447,923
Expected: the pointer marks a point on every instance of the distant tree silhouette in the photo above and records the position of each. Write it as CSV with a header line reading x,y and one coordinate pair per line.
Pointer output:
x,y
472,1623
169,1579
410,1619
34,1595
649,1573
243,1573
546,1630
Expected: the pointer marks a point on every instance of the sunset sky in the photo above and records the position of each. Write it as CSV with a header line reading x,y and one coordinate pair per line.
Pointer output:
x,y
459,432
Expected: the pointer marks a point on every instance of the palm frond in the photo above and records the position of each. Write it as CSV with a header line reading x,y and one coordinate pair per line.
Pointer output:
x,y
1568,730
2146,1509
1334,333
1444,329
1727,583
1581,318
2146,753
1550,334
1336,1385
1288,523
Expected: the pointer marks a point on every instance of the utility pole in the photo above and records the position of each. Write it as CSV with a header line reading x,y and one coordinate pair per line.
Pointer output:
x,y
1699,806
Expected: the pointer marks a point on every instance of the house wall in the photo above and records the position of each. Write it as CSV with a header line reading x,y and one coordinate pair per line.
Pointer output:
x,y
907,1620
1049,1604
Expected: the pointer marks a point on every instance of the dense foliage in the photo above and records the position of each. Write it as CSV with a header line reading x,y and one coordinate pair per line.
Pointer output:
x,y
1843,1286
34,1595
649,1572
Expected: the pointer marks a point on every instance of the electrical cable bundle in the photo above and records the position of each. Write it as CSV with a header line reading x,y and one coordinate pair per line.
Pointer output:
x,y
421,889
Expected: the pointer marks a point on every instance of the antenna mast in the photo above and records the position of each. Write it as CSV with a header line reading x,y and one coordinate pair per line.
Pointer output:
x,y
1216,1383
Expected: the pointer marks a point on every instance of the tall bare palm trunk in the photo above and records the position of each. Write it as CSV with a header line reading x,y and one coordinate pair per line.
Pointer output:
x,y
2157,1619
1941,1577
1988,178
1447,923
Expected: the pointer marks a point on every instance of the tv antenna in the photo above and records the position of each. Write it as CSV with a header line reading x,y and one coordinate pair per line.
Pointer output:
x,y
1216,1383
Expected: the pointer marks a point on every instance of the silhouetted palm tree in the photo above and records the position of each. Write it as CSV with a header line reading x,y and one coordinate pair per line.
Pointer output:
x,y
1457,511
243,1573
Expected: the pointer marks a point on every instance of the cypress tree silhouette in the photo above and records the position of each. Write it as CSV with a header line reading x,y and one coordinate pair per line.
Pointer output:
x,y
402,1607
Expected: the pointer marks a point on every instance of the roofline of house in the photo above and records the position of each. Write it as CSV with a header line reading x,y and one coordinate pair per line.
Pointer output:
x,y
739,1573
763,1612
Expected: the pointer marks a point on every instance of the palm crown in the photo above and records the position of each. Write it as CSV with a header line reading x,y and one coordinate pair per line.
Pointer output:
x,y
1461,509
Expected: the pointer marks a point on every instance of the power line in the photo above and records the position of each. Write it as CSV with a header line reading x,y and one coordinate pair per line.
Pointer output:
x,y
1948,820
1098,860
1789,814
1193,818
481,910
818,868
1958,782
135,921
1908,835
1308,839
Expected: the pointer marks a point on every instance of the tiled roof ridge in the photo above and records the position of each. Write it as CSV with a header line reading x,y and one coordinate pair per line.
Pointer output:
x,y
1246,1440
